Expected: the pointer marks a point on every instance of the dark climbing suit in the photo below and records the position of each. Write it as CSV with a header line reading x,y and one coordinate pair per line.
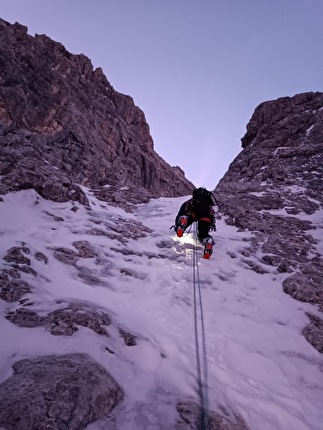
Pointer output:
x,y
201,212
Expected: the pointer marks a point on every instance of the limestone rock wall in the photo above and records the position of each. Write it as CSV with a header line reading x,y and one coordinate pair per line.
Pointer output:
x,y
62,123
274,188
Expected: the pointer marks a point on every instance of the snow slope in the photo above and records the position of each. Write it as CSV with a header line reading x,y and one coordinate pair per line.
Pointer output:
x,y
255,360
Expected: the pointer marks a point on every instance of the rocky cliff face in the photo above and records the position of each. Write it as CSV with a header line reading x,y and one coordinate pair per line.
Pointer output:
x,y
63,124
275,189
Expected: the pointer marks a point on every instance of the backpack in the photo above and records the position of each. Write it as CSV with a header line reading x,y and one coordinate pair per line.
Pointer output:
x,y
202,195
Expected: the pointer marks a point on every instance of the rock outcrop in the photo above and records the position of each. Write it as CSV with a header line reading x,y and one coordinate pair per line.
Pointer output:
x,y
194,418
274,188
62,124
57,392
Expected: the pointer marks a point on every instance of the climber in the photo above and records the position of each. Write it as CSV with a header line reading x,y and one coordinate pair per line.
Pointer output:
x,y
200,209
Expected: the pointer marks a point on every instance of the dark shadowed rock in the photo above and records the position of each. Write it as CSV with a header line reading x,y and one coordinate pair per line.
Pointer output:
x,y
63,321
69,256
126,198
305,288
129,338
85,250
193,419
313,332
12,290
65,392
12,287
62,124
25,318
274,188
17,255
65,255
41,257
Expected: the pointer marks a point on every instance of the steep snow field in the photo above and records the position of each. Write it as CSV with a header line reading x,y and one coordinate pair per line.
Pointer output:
x,y
255,361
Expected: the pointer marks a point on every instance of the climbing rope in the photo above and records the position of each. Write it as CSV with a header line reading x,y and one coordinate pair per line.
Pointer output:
x,y
200,343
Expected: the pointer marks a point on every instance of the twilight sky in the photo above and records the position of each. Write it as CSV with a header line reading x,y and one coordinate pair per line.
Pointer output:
x,y
197,68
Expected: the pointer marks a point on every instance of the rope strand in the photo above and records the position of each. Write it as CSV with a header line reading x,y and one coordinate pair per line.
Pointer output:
x,y
202,389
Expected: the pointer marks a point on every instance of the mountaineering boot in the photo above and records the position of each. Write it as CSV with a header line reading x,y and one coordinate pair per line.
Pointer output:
x,y
182,222
208,248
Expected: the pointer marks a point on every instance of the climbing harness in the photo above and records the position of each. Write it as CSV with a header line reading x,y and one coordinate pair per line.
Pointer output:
x,y
200,342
